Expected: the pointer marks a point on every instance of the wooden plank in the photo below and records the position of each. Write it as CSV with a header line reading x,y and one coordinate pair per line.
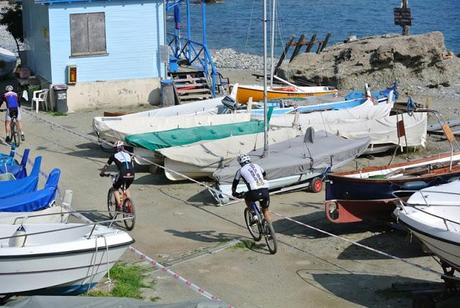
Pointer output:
x,y
448,132
324,44
283,55
311,43
202,90
191,85
297,48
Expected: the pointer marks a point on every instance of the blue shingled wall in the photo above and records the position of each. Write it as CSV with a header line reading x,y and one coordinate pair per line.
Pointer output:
x,y
134,32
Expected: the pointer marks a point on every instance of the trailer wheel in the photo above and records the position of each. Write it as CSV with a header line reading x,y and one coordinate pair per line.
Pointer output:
x,y
316,185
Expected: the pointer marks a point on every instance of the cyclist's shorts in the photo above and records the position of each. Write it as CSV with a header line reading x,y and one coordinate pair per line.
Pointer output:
x,y
13,112
126,179
261,195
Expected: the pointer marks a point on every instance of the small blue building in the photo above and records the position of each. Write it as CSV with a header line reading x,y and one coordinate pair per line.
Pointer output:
x,y
114,46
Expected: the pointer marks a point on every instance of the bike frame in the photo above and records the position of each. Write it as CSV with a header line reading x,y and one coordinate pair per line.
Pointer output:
x,y
256,209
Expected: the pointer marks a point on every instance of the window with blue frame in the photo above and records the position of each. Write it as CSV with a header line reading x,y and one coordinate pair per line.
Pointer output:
x,y
87,34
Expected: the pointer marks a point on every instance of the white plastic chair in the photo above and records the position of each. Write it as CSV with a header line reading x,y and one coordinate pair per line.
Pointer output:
x,y
38,97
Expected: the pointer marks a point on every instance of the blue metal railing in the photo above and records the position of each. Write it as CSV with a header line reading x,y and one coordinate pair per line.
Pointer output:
x,y
194,52
186,48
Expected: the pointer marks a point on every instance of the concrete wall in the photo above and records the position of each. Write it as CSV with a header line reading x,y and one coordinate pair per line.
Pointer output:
x,y
37,38
109,94
134,32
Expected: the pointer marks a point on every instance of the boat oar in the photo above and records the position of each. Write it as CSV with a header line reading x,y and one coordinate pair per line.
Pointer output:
x,y
290,84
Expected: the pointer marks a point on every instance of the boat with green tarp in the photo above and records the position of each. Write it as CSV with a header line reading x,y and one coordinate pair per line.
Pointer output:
x,y
181,136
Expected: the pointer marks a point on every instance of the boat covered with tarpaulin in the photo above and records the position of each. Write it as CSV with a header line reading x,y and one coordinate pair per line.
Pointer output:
x,y
293,162
203,158
33,200
111,129
181,136
11,186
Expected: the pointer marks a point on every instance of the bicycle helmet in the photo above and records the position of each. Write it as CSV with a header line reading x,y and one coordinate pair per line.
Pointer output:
x,y
119,145
9,88
244,159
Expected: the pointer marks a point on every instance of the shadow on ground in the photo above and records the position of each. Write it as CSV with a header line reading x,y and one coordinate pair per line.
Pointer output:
x,y
207,236
89,149
392,242
318,220
363,289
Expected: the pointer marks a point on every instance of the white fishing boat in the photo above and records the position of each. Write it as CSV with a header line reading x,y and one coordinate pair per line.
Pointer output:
x,y
57,258
433,216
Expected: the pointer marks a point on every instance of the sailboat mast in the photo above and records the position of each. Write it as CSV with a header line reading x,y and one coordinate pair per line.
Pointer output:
x,y
265,78
272,43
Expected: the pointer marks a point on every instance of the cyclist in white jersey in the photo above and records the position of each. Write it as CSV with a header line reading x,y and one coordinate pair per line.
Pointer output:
x,y
124,163
253,177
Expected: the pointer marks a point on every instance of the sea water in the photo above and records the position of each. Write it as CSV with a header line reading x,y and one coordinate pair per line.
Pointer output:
x,y
237,24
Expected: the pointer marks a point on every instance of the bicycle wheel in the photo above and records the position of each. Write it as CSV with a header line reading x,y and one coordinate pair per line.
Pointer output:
x,y
253,227
270,237
15,138
129,217
111,203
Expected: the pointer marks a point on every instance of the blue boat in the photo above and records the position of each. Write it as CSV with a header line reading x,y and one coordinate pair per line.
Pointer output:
x,y
352,99
10,166
10,186
33,200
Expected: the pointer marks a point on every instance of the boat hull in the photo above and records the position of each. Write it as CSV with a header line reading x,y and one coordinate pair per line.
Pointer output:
x,y
245,93
437,226
353,199
350,211
447,251
65,262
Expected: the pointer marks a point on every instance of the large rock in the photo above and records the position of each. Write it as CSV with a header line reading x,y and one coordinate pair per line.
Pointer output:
x,y
414,61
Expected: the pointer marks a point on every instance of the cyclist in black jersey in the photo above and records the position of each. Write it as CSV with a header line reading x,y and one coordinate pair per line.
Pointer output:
x,y
124,162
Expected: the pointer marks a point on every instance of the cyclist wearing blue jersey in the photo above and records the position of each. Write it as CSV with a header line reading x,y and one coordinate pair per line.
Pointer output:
x,y
124,163
13,109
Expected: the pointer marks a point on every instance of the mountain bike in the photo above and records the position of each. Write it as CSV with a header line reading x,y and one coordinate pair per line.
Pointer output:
x,y
258,226
127,205
14,133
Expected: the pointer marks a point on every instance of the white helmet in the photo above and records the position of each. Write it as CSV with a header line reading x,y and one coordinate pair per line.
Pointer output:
x,y
119,145
244,159
9,88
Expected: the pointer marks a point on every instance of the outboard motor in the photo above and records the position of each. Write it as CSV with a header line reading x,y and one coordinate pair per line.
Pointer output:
x,y
230,103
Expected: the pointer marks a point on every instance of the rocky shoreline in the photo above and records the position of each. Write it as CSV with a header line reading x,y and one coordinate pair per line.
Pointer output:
x,y
240,67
